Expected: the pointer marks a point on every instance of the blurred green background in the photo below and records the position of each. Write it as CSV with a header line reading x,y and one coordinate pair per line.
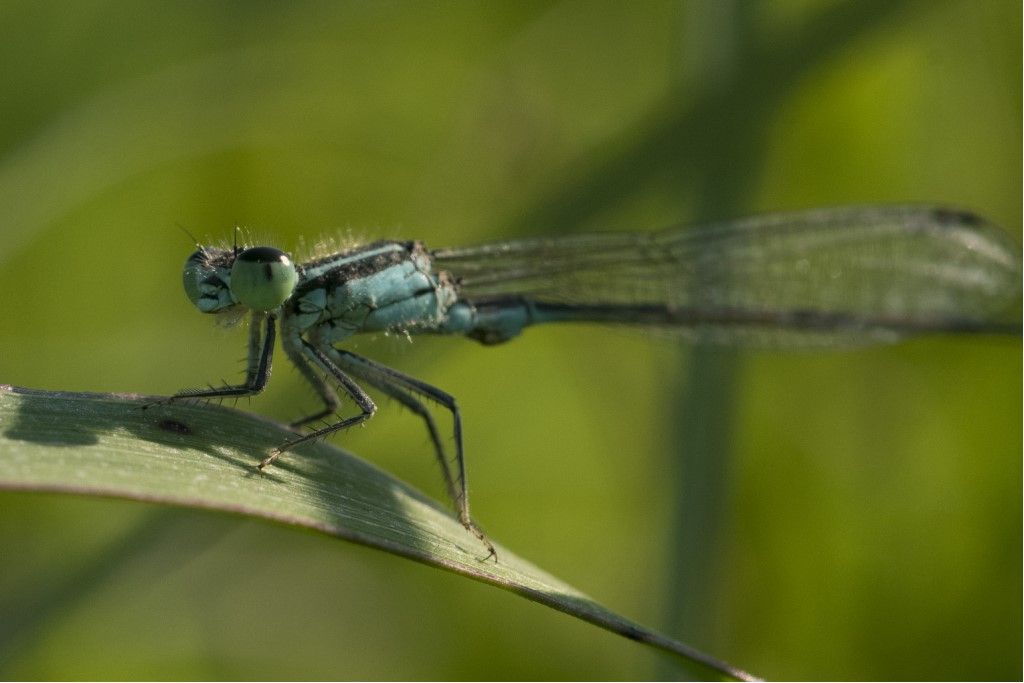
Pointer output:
x,y
852,514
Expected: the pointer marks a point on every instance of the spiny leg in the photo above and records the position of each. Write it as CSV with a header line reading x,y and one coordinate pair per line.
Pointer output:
x,y
409,400
292,343
258,365
361,398
393,383
380,375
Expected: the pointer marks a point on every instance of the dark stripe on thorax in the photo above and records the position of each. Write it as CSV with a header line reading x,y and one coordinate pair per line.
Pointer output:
x,y
334,270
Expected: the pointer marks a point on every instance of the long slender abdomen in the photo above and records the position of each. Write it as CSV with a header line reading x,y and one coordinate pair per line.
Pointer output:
x,y
500,319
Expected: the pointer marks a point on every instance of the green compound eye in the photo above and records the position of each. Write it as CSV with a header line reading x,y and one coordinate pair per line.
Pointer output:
x,y
205,277
263,278
193,275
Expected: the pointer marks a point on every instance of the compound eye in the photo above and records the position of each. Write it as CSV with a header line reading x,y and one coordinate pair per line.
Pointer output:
x,y
203,287
192,276
262,278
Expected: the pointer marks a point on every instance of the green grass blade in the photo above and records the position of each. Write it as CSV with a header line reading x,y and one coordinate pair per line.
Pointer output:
x,y
204,456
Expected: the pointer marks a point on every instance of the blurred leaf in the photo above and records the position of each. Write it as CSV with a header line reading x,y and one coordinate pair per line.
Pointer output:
x,y
733,116
202,456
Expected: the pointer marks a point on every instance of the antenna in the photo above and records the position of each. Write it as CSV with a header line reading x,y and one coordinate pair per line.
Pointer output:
x,y
192,237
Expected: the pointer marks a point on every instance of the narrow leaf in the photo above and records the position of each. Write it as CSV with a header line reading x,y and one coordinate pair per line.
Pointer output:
x,y
204,456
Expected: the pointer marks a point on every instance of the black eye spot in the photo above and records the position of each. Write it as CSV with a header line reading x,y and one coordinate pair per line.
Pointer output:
x,y
267,255
215,281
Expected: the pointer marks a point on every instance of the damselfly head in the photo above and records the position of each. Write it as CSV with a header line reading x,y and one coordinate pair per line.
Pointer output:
x,y
257,278
207,279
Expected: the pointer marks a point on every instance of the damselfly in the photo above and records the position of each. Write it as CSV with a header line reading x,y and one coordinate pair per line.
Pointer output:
x,y
817,278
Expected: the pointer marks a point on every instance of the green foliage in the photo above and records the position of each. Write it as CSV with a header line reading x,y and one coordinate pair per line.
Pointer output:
x,y
202,457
